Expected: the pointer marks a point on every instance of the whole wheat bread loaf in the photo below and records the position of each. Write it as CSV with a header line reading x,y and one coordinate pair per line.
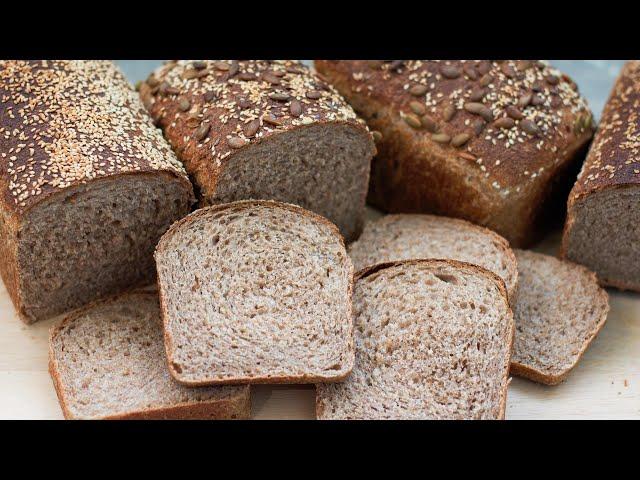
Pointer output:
x,y
260,129
602,230
256,292
414,236
107,361
558,312
433,341
494,142
87,185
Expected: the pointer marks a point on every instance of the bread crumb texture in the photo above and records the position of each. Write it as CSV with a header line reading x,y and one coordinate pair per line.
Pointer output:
x,y
68,122
493,113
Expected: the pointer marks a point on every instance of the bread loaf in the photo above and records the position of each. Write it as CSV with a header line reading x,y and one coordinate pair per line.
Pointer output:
x,y
413,236
494,142
602,230
107,361
256,292
87,185
433,341
258,129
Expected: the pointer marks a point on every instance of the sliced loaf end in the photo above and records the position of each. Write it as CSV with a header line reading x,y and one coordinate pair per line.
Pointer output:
x,y
256,292
107,361
433,341
558,312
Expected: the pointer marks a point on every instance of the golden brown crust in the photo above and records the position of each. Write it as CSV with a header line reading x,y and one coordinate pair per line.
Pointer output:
x,y
235,407
211,109
470,268
242,204
502,174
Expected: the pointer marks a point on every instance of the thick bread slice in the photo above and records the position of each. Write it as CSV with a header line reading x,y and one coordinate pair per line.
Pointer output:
x,y
558,311
263,129
256,292
107,361
433,341
406,237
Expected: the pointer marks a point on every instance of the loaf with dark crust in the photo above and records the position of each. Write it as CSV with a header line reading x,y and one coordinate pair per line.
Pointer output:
x,y
87,185
602,230
258,129
493,142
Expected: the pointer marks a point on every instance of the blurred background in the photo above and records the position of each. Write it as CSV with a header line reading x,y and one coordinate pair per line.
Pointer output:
x,y
594,77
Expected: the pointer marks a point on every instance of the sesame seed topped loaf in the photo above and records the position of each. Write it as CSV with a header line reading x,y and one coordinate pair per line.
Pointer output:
x,y
256,292
87,185
603,220
414,236
433,341
559,311
494,142
258,129
107,361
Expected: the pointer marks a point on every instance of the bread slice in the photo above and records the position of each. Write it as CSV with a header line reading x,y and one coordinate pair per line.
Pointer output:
x,y
433,341
107,361
559,310
256,292
405,237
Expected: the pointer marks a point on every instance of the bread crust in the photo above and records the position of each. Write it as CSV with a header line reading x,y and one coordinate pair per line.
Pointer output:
x,y
612,162
531,373
499,239
243,204
207,132
506,188
42,161
236,407
468,268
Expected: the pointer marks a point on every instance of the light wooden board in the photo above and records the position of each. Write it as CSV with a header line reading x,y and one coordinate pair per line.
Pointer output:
x,y
605,385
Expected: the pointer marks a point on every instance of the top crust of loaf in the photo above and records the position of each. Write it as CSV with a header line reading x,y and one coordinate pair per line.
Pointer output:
x,y
326,391
612,161
365,250
65,123
508,158
237,206
210,109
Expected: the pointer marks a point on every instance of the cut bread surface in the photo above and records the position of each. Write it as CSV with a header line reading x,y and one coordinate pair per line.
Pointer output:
x,y
256,292
603,234
415,236
107,361
323,168
433,341
558,312
94,240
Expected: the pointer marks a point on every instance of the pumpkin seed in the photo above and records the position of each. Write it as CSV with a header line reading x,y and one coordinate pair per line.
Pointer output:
x,y
524,100
199,65
418,108
202,131
450,71
467,156
505,122
514,113
486,80
441,138
470,71
313,94
448,113
295,108
477,94
251,128
377,136
460,139
271,120
236,142
224,66
412,120
418,90
429,123
279,96
529,126
479,109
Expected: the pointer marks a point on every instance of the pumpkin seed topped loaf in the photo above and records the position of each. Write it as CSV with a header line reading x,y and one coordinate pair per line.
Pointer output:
x,y
493,142
258,129
87,185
